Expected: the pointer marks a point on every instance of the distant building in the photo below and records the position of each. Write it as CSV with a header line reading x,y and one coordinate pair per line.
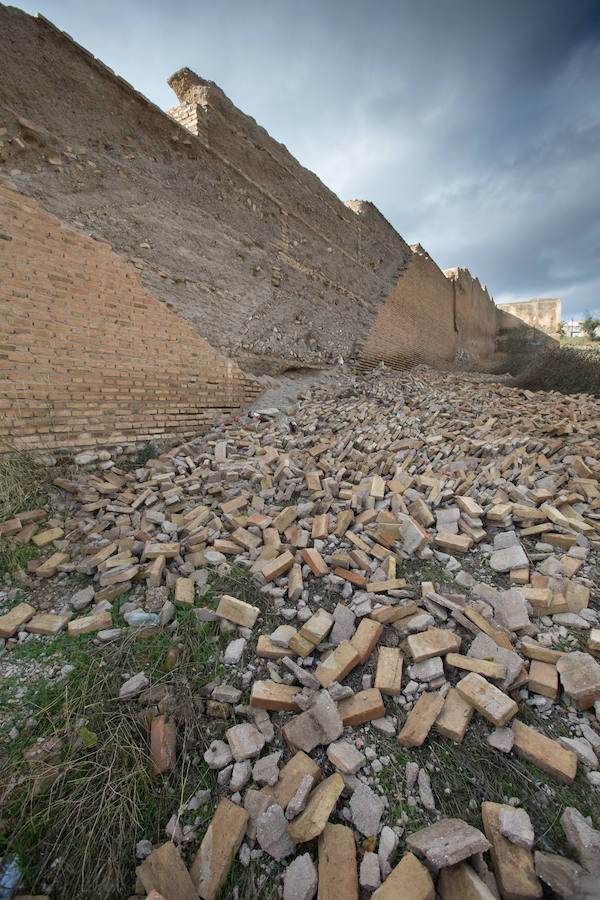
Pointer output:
x,y
573,328
543,313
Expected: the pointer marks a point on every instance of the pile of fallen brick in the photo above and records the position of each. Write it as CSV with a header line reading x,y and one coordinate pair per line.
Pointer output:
x,y
390,470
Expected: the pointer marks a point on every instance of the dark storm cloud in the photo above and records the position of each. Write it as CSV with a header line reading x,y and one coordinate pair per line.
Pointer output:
x,y
473,125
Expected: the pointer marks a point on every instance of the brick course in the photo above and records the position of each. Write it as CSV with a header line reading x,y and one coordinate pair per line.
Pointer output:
x,y
88,355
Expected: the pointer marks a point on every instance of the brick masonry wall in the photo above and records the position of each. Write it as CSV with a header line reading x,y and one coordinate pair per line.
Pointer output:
x,y
416,323
88,356
476,318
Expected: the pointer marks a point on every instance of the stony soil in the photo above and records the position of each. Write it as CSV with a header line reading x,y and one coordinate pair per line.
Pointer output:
x,y
482,498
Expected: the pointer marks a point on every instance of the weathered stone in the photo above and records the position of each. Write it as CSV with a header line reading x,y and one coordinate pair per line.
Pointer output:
x,y
271,833
580,677
581,749
218,755
562,875
300,879
369,875
133,686
510,609
245,741
484,647
388,844
282,635
233,651
345,757
82,598
447,842
501,739
298,801
515,825
427,670
425,792
366,808
513,557
266,769
303,733
582,839
239,776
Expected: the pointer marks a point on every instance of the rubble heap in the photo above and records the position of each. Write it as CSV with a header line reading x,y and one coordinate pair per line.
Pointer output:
x,y
386,475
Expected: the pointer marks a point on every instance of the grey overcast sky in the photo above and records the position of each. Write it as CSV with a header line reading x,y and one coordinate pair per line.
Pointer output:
x,y
474,126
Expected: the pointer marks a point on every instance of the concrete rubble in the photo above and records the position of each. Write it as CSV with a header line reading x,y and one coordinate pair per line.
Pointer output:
x,y
349,645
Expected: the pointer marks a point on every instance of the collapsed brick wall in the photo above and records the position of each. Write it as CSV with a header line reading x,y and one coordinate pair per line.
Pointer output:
x,y
88,355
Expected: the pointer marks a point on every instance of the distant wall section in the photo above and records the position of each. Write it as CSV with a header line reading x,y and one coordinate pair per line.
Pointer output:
x,y
88,356
542,313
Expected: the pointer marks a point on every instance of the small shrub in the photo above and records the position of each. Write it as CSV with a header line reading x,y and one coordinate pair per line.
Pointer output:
x,y
147,452
590,326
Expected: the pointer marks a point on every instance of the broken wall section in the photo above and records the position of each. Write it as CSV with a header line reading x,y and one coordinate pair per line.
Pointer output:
x,y
542,313
476,318
88,355
416,323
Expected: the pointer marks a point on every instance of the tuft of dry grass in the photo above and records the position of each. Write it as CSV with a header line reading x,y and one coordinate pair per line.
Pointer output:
x,y
24,482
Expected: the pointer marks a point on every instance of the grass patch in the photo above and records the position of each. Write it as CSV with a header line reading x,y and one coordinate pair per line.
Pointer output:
x,y
142,457
77,836
14,557
24,482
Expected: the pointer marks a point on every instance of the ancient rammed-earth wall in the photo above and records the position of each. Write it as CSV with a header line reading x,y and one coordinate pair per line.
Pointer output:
x,y
150,260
